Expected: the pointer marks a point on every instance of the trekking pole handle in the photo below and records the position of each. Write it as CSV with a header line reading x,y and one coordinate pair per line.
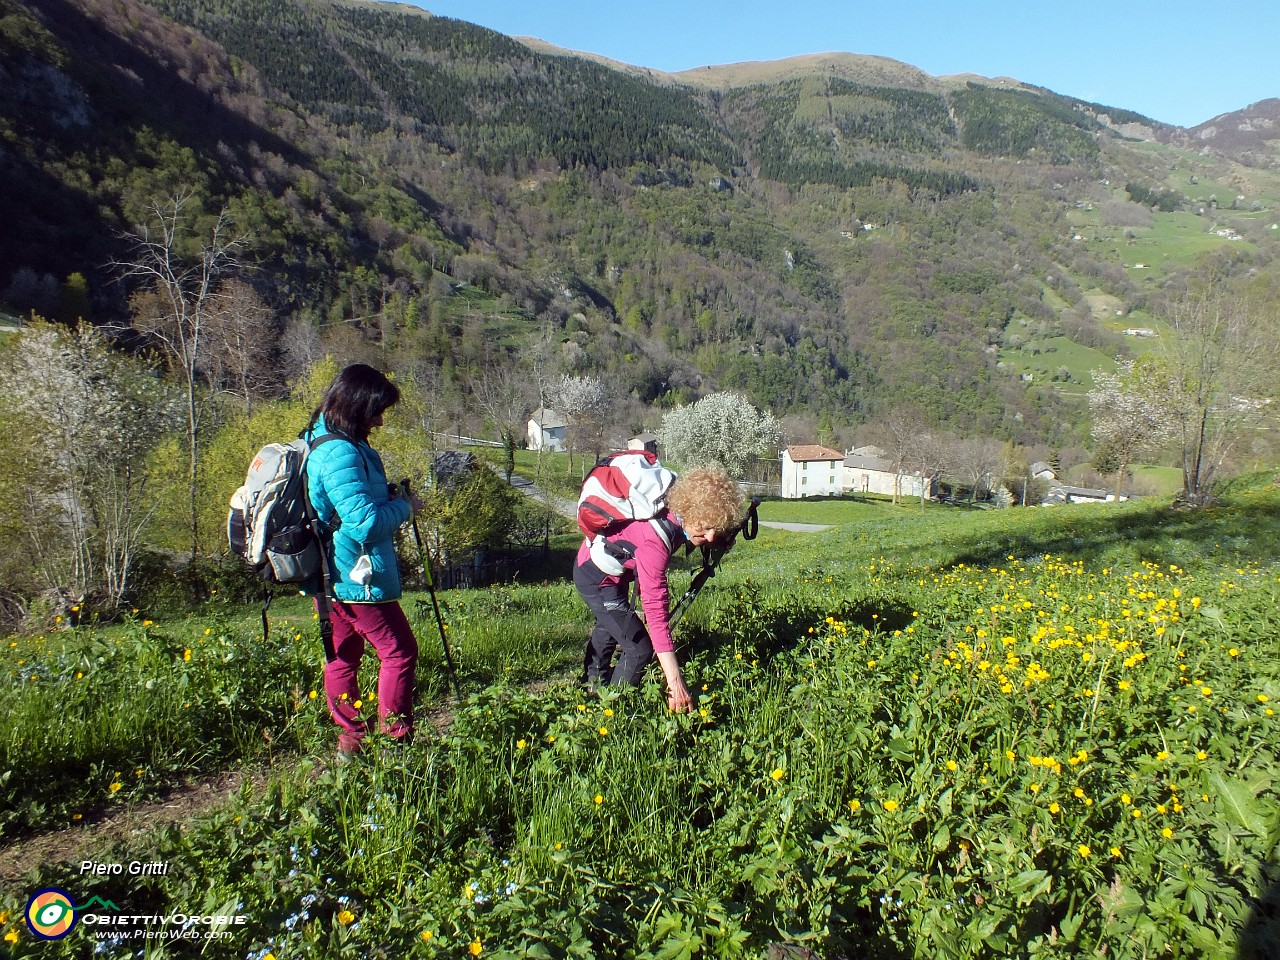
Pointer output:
x,y
751,522
407,492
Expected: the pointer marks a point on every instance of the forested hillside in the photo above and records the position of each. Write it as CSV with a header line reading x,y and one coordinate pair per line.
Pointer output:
x,y
455,202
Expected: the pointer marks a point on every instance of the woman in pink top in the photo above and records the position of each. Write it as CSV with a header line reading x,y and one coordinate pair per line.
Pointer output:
x,y
704,506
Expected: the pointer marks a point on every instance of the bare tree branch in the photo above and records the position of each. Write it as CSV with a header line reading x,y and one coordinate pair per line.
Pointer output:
x,y
178,273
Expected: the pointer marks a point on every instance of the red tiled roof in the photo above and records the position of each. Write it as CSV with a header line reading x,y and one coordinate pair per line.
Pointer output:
x,y
812,451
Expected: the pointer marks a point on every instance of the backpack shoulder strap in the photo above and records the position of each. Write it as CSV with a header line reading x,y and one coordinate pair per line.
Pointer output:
x,y
323,438
323,531
667,529
326,437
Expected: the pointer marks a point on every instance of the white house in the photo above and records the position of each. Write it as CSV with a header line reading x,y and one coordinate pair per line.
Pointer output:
x,y
644,441
867,470
546,430
1042,471
810,470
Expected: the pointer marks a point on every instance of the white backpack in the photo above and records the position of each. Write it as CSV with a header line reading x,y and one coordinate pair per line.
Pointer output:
x,y
271,524
626,486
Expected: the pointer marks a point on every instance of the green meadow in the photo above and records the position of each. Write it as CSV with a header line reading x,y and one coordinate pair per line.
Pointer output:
x,y
919,733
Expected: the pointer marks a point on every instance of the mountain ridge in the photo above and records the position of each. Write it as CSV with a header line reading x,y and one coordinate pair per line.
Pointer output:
x,y
871,68
831,246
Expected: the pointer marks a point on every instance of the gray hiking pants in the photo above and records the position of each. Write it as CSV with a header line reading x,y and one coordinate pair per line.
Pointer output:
x,y
618,630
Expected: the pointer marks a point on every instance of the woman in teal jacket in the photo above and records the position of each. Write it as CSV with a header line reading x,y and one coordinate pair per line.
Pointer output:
x,y
348,489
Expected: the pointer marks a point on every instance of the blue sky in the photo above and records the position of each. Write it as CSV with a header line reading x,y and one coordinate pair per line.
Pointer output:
x,y
1175,61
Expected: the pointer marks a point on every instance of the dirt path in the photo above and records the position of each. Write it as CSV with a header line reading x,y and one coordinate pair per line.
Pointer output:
x,y
89,839
178,805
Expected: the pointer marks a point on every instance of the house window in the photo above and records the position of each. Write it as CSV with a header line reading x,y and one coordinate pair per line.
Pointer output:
x,y
803,481
804,465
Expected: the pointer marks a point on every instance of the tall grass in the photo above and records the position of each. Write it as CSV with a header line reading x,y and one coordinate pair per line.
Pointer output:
x,y
949,734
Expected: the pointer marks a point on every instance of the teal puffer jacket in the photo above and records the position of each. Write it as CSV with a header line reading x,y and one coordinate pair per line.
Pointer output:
x,y
348,489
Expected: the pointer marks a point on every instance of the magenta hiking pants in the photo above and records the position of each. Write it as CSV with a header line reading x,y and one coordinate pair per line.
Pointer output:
x,y
385,626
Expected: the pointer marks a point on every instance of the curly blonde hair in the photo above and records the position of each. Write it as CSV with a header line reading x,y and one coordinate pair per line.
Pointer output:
x,y
706,498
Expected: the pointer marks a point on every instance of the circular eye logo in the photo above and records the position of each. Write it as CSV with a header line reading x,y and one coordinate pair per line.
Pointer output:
x,y
51,914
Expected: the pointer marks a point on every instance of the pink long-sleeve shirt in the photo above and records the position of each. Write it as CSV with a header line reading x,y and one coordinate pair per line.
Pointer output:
x,y
648,568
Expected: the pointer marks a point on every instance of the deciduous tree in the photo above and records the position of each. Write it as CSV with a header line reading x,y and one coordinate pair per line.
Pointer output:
x,y
583,402
178,261
721,429
80,421
1130,413
242,339
1220,356
505,394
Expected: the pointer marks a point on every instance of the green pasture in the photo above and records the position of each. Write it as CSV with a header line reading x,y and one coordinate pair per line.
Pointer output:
x,y
833,511
1052,355
1174,239
1160,481
938,733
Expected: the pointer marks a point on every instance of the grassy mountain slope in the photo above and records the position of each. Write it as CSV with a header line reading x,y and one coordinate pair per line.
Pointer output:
x,y
833,235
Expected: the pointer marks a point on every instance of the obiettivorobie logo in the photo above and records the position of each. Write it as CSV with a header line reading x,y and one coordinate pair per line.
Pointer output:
x,y
51,913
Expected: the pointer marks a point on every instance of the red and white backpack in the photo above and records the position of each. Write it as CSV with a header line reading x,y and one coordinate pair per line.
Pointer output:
x,y
626,486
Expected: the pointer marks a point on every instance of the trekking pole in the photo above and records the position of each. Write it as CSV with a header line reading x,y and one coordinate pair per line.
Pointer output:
x,y
711,557
435,604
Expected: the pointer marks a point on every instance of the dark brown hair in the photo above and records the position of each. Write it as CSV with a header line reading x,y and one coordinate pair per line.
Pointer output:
x,y
357,395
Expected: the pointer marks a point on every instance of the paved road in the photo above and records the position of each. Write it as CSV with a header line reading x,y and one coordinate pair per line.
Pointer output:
x,y
798,527
566,508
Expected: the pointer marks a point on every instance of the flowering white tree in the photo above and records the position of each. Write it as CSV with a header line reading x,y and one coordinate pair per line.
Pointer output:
x,y
721,429
81,420
1131,415
584,404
